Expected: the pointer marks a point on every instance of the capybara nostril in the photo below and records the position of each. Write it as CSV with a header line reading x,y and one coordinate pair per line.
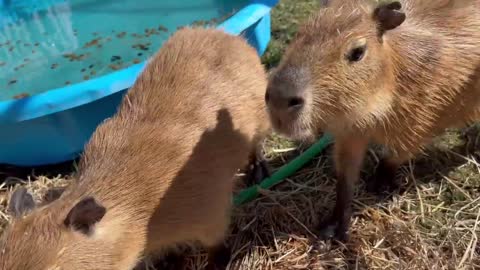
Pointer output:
x,y
267,97
296,103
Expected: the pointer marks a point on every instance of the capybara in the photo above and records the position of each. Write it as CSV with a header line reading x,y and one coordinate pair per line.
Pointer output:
x,y
160,172
392,73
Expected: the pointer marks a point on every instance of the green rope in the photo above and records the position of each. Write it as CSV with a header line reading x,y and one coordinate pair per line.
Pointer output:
x,y
285,171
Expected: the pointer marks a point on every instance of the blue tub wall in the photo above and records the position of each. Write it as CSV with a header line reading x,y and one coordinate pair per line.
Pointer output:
x,y
57,137
259,34
51,128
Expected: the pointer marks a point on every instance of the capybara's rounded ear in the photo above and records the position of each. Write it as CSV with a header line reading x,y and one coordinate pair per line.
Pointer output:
x,y
21,202
388,16
84,215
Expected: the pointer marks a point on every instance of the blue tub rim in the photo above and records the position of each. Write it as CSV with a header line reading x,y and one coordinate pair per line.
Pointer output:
x,y
68,97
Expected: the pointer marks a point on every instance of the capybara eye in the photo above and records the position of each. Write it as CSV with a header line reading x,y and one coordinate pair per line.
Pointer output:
x,y
356,54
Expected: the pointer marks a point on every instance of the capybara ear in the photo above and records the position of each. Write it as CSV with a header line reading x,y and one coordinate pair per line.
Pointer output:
x,y
21,202
389,16
84,215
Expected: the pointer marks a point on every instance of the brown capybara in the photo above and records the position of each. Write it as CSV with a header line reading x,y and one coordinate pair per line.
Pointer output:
x,y
160,172
396,74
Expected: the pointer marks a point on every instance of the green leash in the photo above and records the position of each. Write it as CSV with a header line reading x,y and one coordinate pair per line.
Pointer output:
x,y
285,171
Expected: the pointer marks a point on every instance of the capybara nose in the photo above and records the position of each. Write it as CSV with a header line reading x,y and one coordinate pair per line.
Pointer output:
x,y
284,103
295,103
281,98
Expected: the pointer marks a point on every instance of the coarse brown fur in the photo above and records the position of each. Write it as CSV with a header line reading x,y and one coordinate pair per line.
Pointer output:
x,y
418,76
160,172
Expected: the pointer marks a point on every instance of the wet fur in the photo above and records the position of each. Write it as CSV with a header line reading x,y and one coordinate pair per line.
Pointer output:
x,y
162,167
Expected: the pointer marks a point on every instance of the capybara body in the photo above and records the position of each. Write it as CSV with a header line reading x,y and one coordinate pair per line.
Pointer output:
x,y
160,172
393,73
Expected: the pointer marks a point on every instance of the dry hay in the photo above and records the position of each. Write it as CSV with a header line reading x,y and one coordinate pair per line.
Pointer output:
x,y
433,224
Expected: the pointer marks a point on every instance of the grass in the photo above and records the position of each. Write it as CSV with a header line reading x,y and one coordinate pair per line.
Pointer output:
x,y
433,223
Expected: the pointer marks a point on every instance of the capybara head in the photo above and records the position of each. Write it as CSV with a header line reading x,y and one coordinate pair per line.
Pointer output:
x,y
336,73
55,237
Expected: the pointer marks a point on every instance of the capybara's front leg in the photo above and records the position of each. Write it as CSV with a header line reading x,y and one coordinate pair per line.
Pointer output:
x,y
349,156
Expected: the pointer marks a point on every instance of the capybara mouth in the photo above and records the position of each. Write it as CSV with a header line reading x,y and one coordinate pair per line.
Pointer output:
x,y
295,128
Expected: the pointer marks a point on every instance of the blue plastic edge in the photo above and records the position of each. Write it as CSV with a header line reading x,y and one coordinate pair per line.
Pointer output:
x,y
65,98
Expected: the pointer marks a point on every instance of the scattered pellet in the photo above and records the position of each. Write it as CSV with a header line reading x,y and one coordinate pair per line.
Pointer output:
x,y
162,28
121,35
20,96
115,67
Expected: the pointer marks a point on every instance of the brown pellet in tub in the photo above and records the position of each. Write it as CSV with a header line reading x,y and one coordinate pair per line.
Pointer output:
x,y
20,96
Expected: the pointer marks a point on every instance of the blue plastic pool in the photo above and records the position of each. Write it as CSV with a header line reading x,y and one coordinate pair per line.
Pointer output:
x,y
65,64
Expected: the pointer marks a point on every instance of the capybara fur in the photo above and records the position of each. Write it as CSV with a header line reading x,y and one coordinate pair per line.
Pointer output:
x,y
160,172
393,73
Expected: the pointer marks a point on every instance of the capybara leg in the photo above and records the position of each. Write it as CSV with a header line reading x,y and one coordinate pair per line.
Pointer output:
x,y
349,156
213,239
384,177
386,172
257,168
218,257
171,261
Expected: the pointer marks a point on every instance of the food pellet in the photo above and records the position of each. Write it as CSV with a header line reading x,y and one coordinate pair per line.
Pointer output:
x,y
115,67
22,95
115,58
121,35
162,28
